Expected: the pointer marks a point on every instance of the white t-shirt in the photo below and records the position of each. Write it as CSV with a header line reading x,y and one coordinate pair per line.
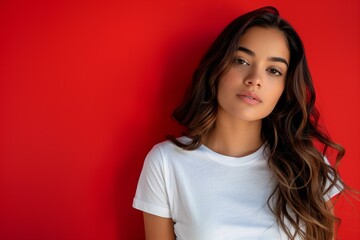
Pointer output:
x,y
208,195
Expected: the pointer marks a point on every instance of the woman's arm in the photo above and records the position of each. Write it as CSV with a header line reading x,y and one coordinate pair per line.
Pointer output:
x,y
158,228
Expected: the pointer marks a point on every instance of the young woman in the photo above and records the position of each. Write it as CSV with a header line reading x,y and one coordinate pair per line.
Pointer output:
x,y
247,166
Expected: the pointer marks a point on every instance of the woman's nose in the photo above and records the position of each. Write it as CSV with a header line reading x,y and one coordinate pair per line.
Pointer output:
x,y
253,79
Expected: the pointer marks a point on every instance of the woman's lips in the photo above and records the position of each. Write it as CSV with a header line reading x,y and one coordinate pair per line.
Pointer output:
x,y
249,97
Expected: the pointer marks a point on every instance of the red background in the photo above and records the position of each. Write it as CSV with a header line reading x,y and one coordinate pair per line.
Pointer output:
x,y
87,87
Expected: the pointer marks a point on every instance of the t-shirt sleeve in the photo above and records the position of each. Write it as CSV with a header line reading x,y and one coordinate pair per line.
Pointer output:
x,y
336,189
151,195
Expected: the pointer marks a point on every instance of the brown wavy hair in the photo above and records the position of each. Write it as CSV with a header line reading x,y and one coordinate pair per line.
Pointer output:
x,y
290,132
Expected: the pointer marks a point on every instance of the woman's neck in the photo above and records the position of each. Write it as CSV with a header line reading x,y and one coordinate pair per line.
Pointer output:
x,y
235,138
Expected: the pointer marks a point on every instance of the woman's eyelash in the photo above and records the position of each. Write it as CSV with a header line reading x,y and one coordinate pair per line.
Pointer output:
x,y
274,72
241,61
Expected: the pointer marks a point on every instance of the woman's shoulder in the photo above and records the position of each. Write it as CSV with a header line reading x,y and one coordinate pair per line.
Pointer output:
x,y
168,145
165,154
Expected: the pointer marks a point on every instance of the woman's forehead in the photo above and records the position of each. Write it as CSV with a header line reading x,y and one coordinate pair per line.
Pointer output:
x,y
266,42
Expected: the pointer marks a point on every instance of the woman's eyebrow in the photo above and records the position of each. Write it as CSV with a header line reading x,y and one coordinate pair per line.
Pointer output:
x,y
273,59
279,59
248,51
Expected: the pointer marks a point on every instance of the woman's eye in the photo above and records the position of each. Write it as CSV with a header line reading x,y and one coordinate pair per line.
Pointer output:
x,y
273,71
240,61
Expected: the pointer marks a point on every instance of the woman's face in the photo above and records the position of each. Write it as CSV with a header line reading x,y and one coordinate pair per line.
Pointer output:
x,y
252,86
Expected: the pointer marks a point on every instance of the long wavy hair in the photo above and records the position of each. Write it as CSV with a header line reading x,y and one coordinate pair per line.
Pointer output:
x,y
290,132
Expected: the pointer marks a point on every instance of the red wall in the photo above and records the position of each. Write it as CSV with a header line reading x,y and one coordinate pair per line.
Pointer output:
x,y
87,87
